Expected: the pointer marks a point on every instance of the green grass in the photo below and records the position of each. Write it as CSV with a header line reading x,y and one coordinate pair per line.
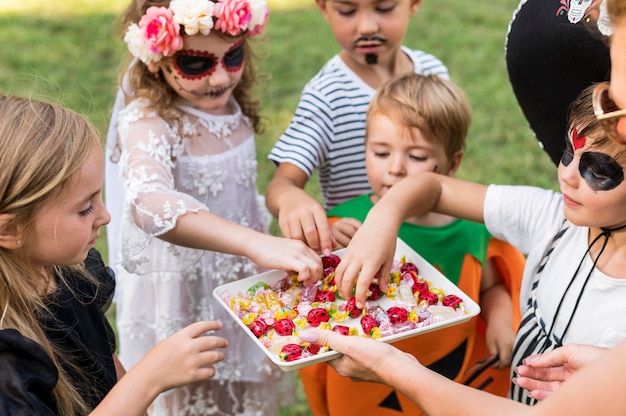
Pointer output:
x,y
70,51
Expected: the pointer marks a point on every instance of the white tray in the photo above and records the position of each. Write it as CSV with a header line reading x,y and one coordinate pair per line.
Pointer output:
x,y
426,270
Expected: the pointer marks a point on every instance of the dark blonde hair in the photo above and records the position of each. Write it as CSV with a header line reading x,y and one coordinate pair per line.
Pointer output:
x,y
582,118
144,84
43,146
435,106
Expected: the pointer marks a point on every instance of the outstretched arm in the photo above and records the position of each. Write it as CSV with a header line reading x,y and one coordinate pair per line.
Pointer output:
x,y
299,215
594,389
185,357
413,196
210,232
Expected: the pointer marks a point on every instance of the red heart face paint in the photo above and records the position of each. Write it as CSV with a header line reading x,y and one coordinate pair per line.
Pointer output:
x,y
599,170
578,141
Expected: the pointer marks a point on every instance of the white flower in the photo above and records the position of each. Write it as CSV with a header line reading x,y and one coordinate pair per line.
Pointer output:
x,y
137,46
258,9
195,15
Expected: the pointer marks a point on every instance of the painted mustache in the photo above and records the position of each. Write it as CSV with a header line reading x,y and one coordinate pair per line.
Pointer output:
x,y
374,38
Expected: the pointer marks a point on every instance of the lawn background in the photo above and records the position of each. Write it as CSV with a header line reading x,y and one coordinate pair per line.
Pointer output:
x,y
69,51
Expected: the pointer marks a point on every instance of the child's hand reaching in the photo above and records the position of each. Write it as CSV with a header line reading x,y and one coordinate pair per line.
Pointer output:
x,y
303,218
185,357
285,254
370,251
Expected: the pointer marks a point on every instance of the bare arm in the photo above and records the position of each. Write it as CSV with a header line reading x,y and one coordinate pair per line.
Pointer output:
x,y
412,196
300,216
497,311
207,231
185,357
594,389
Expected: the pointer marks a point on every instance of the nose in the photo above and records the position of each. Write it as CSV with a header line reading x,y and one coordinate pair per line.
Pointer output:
x,y
219,77
104,216
397,166
569,174
367,24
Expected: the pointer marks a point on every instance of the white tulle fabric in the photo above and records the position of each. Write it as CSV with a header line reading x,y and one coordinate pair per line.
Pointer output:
x,y
208,163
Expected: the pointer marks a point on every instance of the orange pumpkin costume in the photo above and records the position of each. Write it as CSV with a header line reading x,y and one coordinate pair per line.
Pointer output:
x,y
449,351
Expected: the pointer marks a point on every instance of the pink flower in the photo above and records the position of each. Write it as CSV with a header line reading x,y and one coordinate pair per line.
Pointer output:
x,y
160,31
233,16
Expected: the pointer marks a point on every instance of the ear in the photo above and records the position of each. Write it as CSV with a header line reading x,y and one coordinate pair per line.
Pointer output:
x,y
414,6
455,162
10,233
321,4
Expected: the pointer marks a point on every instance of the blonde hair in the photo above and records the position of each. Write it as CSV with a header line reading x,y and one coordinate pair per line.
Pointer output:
x,y
435,106
144,84
43,146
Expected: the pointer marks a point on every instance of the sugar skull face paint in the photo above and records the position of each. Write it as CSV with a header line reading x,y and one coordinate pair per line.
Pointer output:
x,y
192,64
599,170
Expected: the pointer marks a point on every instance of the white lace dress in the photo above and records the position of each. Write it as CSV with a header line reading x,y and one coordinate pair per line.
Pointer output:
x,y
207,164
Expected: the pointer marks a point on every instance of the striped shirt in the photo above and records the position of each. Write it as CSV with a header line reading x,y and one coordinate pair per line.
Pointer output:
x,y
327,130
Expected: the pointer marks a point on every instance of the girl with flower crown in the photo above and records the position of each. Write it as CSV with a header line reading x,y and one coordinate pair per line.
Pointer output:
x,y
192,217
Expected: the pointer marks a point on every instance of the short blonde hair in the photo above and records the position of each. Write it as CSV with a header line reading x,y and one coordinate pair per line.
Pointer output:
x,y
434,105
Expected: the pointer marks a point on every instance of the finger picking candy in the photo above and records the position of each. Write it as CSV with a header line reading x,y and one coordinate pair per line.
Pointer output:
x,y
352,310
284,327
330,261
290,352
278,312
316,316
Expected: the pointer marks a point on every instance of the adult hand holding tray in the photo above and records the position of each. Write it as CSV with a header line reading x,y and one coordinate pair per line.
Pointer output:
x,y
258,312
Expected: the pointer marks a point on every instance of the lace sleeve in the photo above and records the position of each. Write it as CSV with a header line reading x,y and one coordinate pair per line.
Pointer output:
x,y
150,148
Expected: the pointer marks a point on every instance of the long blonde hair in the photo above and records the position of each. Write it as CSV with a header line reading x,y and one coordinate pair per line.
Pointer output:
x,y
43,145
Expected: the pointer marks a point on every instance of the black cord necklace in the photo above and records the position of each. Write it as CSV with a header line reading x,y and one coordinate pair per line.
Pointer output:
x,y
606,233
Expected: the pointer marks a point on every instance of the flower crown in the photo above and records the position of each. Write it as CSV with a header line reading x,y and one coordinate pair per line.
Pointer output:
x,y
158,32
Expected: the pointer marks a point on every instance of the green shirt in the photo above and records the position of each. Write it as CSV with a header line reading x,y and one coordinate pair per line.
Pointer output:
x,y
444,247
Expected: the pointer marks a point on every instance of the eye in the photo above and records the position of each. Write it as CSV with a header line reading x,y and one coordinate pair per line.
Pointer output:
x,y
234,58
388,9
418,158
381,154
194,65
601,171
87,211
346,11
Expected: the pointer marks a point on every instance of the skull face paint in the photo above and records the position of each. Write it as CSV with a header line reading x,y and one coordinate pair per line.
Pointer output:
x,y
599,170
